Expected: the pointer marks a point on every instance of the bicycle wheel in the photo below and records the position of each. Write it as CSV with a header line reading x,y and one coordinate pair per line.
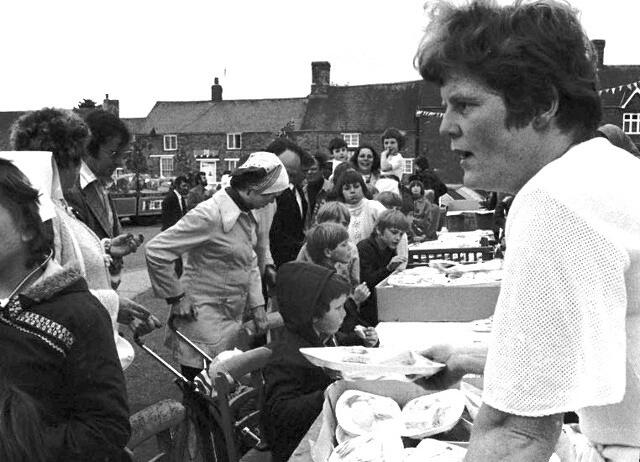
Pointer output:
x,y
177,437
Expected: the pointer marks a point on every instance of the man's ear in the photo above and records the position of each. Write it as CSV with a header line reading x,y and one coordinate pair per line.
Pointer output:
x,y
27,235
327,252
543,120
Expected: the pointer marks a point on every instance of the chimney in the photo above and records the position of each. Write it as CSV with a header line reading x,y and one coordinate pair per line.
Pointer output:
x,y
598,46
111,105
216,90
320,78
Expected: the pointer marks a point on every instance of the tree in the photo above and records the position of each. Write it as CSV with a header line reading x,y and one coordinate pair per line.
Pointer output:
x,y
87,104
136,160
184,163
287,131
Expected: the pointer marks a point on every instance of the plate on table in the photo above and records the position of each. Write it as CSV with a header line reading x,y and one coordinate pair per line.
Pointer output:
x,y
432,414
355,360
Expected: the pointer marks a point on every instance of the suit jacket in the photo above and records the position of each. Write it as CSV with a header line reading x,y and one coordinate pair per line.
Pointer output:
x,y
287,229
91,210
171,211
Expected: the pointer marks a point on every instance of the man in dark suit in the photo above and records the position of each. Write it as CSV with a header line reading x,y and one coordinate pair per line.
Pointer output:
x,y
174,207
286,235
92,202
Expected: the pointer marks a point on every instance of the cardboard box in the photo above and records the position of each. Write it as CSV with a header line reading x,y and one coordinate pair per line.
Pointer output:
x,y
436,303
401,392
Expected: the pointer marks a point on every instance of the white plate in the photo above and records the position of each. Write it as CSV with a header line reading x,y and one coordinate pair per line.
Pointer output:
x,y
371,361
432,414
438,451
359,412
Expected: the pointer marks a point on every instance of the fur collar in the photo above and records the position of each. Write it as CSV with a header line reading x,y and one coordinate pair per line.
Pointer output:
x,y
54,279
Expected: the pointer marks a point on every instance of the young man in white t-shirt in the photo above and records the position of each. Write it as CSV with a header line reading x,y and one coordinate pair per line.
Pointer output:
x,y
519,88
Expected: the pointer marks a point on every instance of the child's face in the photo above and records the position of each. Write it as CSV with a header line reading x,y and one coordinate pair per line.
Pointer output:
x,y
340,154
331,320
391,145
415,190
352,193
342,252
391,237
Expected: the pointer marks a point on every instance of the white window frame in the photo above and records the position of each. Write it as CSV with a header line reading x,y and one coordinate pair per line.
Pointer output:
x,y
408,166
352,139
166,158
232,163
170,142
234,141
631,123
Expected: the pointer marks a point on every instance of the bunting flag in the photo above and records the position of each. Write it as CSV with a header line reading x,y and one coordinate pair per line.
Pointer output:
x,y
619,88
421,113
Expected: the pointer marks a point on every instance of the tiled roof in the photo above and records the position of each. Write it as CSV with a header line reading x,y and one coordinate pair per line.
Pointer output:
x,y
369,107
255,115
6,119
135,124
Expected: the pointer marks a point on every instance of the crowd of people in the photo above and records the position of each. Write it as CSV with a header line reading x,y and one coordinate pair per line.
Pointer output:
x,y
310,236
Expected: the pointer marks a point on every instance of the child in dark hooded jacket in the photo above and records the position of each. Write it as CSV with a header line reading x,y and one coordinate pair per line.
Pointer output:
x,y
311,299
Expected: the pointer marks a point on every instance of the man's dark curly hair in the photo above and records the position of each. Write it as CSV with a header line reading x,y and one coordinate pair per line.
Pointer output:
x,y
104,125
21,201
60,131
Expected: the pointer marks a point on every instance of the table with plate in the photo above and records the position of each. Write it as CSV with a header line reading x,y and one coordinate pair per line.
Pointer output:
x,y
402,336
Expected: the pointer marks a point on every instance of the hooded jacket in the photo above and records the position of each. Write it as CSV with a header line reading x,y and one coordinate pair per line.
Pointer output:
x,y
58,347
294,388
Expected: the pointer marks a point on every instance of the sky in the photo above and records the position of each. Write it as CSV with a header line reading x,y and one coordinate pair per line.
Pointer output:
x,y
57,53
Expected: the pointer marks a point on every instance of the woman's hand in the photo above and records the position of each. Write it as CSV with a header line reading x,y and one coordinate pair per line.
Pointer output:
x,y
361,293
184,309
459,360
124,244
137,317
368,335
260,320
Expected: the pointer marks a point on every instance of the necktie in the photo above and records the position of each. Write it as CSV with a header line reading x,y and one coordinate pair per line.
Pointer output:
x,y
183,205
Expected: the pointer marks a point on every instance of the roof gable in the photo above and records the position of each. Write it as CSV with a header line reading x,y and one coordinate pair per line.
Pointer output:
x,y
261,115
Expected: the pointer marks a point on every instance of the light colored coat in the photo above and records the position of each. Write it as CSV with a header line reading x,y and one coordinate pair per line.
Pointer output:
x,y
221,274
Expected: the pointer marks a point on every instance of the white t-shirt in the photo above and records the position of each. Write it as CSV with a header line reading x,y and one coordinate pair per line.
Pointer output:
x,y
566,332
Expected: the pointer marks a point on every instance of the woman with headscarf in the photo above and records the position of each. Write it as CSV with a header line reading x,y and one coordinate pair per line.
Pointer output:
x,y
59,361
220,287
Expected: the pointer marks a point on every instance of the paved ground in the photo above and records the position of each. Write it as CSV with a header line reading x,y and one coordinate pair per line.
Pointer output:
x,y
147,380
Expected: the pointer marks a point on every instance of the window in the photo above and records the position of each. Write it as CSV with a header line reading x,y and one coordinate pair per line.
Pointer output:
x,y
234,140
166,166
631,123
231,164
408,166
352,139
170,142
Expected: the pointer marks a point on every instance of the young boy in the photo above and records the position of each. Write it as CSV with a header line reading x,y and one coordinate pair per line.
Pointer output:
x,y
338,151
328,245
311,299
378,257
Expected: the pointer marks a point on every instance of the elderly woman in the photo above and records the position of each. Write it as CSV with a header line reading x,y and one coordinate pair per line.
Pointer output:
x,y
64,134
366,161
56,339
220,287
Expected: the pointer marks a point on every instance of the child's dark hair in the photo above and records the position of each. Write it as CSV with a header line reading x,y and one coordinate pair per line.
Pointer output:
x,y
395,134
21,426
325,236
335,287
350,177
21,201
392,219
416,183
337,143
